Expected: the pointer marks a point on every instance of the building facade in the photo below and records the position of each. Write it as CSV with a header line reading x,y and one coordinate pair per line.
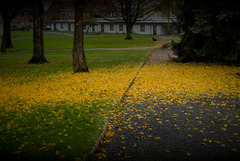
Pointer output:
x,y
61,10
59,16
160,26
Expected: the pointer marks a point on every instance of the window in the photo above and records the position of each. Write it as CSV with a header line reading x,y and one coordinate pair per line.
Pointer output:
x,y
62,26
154,29
120,27
102,28
111,27
142,28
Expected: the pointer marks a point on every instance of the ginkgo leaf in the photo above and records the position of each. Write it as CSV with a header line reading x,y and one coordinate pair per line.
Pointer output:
x,y
57,152
204,144
189,135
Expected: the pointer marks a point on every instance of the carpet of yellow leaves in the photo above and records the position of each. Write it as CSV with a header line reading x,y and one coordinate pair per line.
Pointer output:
x,y
102,84
58,111
175,82
154,98
168,82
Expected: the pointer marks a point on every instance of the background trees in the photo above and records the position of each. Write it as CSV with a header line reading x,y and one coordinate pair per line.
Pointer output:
x,y
134,10
210,31
8,10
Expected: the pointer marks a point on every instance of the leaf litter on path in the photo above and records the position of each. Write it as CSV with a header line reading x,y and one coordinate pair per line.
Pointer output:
x,y
178,111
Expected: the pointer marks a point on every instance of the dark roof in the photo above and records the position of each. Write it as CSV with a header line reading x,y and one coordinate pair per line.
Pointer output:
x,y
147,21
120,21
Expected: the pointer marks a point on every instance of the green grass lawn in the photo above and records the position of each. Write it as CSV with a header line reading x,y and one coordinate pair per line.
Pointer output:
x,y
29,34
47,113
91,41
15,64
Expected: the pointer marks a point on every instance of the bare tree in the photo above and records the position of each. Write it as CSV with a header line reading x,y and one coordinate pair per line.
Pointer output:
x,y
134,10
79,59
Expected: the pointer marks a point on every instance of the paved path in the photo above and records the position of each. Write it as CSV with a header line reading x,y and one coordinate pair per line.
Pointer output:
x,y
87,49
153,131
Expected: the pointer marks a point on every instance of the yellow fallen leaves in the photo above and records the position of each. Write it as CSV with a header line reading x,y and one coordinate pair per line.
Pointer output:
x,y
176,82
69,147
189,135
65,87
60,107
57,152
235,150
189,154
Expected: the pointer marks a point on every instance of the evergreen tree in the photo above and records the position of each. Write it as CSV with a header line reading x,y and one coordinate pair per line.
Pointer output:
x,y
210,31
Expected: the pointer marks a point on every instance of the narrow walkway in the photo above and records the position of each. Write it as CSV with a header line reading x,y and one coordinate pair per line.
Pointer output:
x,y
87,49
156,131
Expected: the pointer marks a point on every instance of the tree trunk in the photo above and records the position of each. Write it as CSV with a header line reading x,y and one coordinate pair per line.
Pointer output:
x,y
79,59
129,31
38,48
6,39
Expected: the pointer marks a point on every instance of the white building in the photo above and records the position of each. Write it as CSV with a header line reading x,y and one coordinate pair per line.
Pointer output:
x,y
160,26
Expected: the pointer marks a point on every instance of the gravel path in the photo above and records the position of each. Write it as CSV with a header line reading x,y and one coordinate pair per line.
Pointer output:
x,y
196,131
160,55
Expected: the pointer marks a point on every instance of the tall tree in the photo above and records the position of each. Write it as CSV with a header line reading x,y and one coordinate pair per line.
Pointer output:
x,y
38,48
79,58
8,10
210,31
134,10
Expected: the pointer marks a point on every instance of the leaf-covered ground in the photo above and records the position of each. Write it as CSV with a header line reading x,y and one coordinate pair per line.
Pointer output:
x,y
47,113
178,112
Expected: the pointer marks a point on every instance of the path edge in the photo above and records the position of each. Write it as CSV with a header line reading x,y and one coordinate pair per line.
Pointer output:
x,y
86,157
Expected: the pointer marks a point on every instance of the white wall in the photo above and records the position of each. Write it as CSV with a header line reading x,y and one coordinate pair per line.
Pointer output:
x,y
87,27
137,29
72,26
161,29
123,28
97,28
164,29
52,27
66,27
116,28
